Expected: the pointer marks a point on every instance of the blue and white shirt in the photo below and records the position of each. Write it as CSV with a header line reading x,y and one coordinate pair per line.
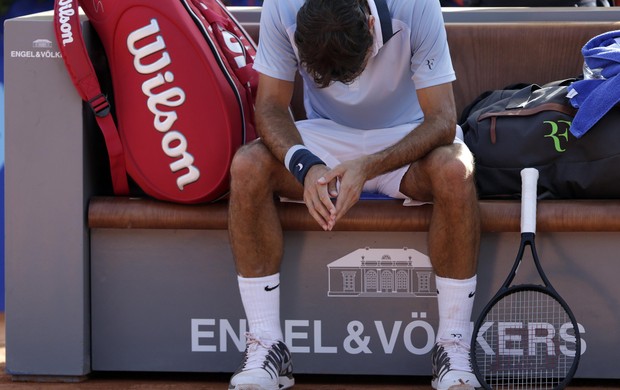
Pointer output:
x,y
417,56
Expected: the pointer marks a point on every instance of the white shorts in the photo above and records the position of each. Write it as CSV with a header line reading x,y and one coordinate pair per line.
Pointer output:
x,y
334,143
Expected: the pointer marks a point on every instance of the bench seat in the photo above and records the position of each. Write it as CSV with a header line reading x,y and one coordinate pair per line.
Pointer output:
x,y
367,215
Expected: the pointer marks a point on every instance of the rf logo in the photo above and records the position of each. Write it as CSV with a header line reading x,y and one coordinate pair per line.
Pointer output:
x,y
557,137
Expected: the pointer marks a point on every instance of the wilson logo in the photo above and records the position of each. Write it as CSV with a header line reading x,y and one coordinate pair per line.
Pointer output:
x,y
174,143
558,138
65,12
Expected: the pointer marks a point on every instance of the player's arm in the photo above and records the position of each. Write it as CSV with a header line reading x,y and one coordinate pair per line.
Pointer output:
x,y
274,123
278,132
438,128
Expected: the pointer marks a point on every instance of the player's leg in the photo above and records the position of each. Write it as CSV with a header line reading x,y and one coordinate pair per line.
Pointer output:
x,y
257,245
445,177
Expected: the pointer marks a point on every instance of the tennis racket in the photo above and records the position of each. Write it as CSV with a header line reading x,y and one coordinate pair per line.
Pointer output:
x,y
526,336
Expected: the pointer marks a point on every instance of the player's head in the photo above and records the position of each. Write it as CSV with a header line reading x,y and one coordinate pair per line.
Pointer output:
x,y
334,38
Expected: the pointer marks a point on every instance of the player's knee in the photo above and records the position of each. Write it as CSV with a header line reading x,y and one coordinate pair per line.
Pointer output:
x,y
250,164
453,171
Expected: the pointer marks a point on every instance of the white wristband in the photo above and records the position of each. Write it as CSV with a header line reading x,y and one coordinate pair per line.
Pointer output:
x,y
290,152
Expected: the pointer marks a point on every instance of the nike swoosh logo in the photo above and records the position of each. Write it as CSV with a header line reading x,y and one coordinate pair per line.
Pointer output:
x,y
300,166
268,288
471,294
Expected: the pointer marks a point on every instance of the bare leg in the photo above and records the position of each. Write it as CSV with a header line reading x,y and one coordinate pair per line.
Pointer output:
x,y
445,177
254,227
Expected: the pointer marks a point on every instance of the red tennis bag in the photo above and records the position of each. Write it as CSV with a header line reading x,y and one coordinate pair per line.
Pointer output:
x,y
183,85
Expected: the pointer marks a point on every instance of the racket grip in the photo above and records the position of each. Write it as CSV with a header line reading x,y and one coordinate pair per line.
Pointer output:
x,y
529,182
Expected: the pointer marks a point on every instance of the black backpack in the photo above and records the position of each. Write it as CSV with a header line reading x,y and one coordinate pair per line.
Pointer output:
x,y
528,126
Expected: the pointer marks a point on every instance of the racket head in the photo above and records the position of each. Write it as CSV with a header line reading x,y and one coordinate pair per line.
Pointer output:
x,y
526,338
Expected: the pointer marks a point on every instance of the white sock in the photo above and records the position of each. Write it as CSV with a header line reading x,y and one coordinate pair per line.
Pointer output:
x,y
455,298
261,301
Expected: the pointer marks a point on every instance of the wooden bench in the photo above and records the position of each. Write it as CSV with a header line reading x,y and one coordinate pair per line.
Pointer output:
x,y
486,56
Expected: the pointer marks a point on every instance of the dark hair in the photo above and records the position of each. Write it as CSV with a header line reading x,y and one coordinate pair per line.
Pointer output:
x,y
333,39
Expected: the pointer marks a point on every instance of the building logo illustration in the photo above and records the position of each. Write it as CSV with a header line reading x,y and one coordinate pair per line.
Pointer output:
x,y
389,273
42,44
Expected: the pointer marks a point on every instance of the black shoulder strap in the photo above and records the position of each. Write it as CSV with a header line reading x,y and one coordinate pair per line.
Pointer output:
x,y
385,19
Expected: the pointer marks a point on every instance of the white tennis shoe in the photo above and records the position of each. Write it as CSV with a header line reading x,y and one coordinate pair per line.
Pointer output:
x,y
266,365
452,366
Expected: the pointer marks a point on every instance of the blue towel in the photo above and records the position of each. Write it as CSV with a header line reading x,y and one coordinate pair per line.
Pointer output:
x,y
595,97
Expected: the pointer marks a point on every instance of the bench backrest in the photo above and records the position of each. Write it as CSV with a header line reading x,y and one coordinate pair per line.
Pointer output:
x,y
493,55
488,55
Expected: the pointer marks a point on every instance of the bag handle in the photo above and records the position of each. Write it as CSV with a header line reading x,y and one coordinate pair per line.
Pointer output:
x,y
68,33
520,99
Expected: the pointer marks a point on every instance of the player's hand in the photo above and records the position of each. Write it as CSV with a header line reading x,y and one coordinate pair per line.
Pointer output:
x,y
317,197
352,176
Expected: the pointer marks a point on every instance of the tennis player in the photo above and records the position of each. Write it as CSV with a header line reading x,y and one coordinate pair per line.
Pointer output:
x,y
381,118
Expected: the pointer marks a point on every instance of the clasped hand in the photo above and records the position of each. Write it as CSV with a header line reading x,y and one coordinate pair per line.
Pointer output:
x,y
330,193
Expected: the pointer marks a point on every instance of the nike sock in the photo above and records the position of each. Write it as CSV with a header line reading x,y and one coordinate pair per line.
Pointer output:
x,y
261,301
455,299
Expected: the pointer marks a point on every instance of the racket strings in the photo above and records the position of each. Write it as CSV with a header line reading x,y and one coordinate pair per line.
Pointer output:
x,y
526,341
